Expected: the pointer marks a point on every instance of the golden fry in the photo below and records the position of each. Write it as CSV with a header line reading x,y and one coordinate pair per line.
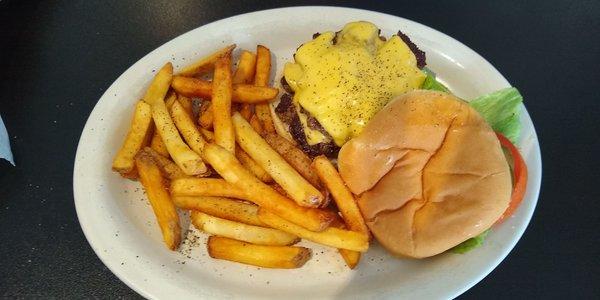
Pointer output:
x,y
261,78
163,207
294,156
256,125
221,207
169,168
251,165
158,145
241,93
208,135
278,257
137,138
341,194
221,104
184,122
240,231
261,194
205,64
187,104
246,68
160,85
331,236
350,257
206,187
247,111
299,189
205,117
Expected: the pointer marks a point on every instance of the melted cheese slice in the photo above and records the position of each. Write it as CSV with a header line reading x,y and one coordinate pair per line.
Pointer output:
x,y
343,82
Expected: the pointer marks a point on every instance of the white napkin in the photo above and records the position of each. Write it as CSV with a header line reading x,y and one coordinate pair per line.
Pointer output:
x,y
5,144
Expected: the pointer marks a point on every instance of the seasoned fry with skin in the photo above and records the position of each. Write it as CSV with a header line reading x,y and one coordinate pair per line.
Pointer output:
x,y
206,187
221,104
331,236
251,165
205,117
137,137
350,257
287,177
169,168
261,78
189,161
163,207
187,128
241,93
294,156
221,207
187,104
277,257
160,85
206,64
256,125
158,145
246,68
344,199
263,195
247,111
240,231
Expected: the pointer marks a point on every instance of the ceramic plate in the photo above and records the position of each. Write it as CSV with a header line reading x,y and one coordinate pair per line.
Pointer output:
x,y
119,224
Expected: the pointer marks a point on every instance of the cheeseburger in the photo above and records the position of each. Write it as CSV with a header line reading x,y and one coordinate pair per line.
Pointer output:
x,y
427,168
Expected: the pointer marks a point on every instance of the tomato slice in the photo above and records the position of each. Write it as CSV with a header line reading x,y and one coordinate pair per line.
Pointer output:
x,y
519,178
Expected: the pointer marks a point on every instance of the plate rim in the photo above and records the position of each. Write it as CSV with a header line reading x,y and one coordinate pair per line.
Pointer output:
x,y
535,182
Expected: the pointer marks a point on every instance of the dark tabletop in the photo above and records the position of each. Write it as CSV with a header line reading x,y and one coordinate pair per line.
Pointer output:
x,y
58,57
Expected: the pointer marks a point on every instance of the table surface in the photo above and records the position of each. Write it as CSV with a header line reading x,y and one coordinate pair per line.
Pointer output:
x,y
58,57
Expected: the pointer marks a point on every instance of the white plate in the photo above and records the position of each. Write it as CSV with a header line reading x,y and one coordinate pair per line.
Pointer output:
x,y
120,227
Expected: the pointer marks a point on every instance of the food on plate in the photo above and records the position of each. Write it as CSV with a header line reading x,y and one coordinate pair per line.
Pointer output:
x,y
339,81
240,231
362,122
159,197
221,207
331,236
280,257
420,189
298,188
137,137
242,93
205,64
263,195
221,104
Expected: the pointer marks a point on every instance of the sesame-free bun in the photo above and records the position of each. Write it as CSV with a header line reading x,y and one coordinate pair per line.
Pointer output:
x,y
429,172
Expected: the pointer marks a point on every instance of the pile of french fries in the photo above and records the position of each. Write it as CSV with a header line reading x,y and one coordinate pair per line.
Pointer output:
x,y
221,158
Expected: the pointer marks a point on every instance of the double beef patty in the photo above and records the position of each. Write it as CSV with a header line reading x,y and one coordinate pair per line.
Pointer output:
x,y
287,112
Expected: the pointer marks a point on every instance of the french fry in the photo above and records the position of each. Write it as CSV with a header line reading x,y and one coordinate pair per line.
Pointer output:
x,y
221,207
137,137
206,187
169,168
158,145
256,125
294,156
331,236
189,161
261,78
247,111
205,64
159,86
241,93
246,68
187,104
205,117
341,195
187,128
251,165
261,194
277,257
221,104
350,257
209,136
240,231
163,207
299,189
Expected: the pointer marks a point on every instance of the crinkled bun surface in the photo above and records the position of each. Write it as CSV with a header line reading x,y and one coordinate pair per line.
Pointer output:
x,y
429,172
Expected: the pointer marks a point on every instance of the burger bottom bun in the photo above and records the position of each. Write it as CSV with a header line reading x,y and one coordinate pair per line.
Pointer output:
x,y
430,174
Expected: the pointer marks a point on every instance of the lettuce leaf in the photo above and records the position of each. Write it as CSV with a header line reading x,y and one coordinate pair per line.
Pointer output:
x,y
470,244
431,83
501,109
